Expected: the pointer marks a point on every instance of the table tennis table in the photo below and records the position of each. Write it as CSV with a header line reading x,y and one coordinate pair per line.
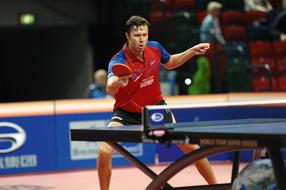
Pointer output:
x,y
214,137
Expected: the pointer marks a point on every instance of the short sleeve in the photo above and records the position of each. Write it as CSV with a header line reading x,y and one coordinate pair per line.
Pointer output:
x,y
165,55
118,58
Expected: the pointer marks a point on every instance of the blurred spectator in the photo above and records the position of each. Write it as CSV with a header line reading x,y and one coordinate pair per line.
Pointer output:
x,y
210,30
201,79
98,88
276,16
257,5
277,21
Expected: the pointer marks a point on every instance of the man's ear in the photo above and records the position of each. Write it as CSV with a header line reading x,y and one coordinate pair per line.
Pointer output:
x,y
127,35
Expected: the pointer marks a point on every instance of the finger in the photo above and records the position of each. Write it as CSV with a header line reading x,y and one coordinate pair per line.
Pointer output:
x,y
205,46
202,49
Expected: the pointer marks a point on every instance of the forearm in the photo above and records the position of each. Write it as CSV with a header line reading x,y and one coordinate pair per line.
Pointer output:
x,y
112,85
179,59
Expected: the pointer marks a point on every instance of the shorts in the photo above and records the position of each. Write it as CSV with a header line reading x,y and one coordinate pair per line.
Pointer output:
x,y
130,118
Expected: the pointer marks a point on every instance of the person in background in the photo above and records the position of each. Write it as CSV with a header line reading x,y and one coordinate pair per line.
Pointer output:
x,y
98,88
276,16
210,30
142,88
257,5
277,21
201,79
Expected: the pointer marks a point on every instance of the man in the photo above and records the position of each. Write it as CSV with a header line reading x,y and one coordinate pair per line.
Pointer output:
x,y
210,30
98,88
142,88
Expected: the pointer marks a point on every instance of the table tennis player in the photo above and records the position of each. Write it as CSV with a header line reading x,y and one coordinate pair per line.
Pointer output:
x,y
136,84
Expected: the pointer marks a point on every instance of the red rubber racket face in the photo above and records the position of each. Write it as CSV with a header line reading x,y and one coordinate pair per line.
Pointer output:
x,y
121,70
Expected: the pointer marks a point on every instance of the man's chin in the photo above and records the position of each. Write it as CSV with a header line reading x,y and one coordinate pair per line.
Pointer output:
x,y
141,48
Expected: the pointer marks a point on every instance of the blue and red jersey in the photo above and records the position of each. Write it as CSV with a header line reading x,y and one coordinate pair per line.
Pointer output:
x,y
143,87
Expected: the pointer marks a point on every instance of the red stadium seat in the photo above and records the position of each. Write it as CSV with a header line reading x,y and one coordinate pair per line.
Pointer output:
x,y
279,48
260,48
234,33
157,16
281,64
159,6
252,16
261,84
282,82
186,5
261,53
161,24
232,17
259,64
201,15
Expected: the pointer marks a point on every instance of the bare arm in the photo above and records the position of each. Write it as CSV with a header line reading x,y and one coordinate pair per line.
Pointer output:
x,y
114,83
179,59
251,5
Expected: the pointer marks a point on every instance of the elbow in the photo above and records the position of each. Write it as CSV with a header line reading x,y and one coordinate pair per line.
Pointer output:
x,y
169,66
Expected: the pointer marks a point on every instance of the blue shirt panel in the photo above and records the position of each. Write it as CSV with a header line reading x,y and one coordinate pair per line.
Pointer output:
x,y
165,55
120,57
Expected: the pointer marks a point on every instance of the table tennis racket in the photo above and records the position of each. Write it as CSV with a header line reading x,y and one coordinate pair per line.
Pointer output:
x,y
121,70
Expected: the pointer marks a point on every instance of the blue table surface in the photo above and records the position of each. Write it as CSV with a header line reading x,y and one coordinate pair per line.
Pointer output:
x,y
244,126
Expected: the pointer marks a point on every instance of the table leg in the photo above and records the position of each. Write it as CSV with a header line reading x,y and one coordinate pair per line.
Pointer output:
x,y
278,167
127,155
185,161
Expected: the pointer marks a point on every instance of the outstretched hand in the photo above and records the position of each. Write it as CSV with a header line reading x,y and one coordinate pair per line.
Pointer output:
x,y
200,49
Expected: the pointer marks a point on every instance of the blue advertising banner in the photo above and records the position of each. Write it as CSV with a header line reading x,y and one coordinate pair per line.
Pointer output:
x,y
28,144
220,113
72,154
38,139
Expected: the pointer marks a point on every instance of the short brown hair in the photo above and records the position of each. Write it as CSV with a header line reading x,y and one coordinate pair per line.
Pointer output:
x,y
135,21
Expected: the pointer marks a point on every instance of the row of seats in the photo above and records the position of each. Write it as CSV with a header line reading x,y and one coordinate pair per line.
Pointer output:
x,y
250,66
184,26
272,55
228,17
179,5
176,24
194,4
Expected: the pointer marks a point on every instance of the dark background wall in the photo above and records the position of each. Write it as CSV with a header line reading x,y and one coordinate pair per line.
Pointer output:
x,y
43,63
55,58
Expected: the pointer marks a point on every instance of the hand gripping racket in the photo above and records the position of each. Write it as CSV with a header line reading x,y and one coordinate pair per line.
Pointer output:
x,y
121,70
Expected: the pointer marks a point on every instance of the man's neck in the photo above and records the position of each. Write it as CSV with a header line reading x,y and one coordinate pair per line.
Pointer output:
x,y
137,54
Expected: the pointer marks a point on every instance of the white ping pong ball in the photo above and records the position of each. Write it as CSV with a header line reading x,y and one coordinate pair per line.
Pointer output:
x,y
188,81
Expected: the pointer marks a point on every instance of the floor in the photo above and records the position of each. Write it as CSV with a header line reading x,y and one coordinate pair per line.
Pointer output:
x,y
129,178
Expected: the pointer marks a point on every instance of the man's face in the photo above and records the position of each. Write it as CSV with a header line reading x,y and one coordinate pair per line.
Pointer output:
x,y
137,38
